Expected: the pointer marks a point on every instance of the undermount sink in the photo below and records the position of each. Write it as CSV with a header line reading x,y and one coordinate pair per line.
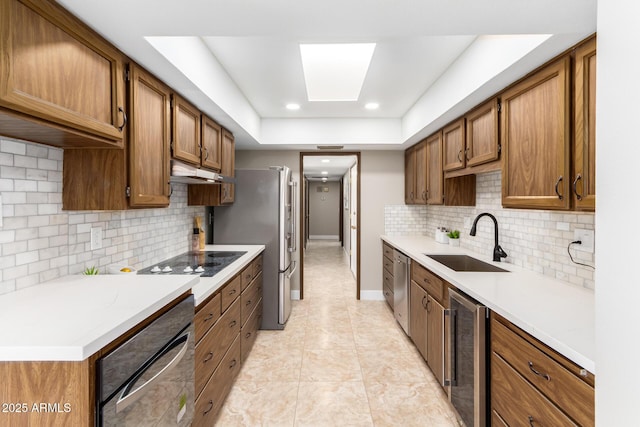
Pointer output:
x,y
466,263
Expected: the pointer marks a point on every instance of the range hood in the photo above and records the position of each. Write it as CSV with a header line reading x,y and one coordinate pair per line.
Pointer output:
x,y
189,174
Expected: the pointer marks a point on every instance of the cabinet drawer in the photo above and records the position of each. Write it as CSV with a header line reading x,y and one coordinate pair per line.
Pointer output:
x,y
553,380
387,279
211,349
388,295
388,264
247,276
249,331
517,402
250,297
257,265
230,292
387,251
206,317
428,281
210,401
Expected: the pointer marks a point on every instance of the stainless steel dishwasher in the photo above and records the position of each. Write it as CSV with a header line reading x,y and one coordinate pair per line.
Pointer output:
x,y
149,379
401,286
467,358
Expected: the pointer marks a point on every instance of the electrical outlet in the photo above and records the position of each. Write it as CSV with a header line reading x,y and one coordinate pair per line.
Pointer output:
x,y
96,238
587,238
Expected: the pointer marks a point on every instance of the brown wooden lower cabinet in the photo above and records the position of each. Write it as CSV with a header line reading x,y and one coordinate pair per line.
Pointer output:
x,y
249,331
418,318
435,338
210,401
522,369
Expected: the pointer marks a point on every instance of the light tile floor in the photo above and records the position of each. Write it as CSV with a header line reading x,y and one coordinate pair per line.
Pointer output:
x,y
339,362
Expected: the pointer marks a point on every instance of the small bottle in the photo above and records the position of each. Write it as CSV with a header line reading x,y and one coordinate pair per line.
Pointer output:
x,y
195,239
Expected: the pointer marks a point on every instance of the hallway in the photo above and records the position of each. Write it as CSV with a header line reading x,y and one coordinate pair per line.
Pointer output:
x,y
339,362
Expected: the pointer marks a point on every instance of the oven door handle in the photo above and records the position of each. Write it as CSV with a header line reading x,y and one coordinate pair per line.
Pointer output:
x,y
128,397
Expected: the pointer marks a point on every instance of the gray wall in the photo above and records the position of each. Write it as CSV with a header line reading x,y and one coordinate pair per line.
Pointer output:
x,y
381,183
324,209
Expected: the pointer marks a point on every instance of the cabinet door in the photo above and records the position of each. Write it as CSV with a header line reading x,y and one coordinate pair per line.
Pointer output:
x,y
185,132
434,170
211,140
482,134
409,176
453,146
584,175
418,318
435,338
536,140
55,69
228,167
421,174
149,140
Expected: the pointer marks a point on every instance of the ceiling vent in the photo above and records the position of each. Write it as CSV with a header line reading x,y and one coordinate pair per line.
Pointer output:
x,y
330,147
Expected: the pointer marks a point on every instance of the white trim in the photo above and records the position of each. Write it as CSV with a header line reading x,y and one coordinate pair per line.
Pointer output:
x,y
371,295
295,295
323,237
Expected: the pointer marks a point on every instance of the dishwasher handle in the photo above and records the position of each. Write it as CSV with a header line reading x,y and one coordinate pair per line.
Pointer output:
x,y
128,397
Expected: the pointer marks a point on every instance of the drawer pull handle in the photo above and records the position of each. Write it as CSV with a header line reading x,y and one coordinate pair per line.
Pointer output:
x,y
426,280
531,421
233,291
545,376
424,304
209,317
248,303
209,408
233,363
232,324
247,335
209,357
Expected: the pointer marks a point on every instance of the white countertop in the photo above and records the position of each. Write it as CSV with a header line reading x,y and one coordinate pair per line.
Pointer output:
x,y
559,314
71,318
208,285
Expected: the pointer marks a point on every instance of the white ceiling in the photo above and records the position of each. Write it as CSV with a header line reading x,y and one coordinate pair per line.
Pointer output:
x,y
239,61
335,168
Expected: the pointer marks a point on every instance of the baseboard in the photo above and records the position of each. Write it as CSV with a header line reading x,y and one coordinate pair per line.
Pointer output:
x,y
371,295
323,237
295,295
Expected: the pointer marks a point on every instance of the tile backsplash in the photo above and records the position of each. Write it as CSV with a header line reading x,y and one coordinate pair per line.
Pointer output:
x,y
40,242
534,239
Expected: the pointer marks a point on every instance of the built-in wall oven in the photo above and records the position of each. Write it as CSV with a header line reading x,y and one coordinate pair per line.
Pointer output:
x,y
149,379
467,358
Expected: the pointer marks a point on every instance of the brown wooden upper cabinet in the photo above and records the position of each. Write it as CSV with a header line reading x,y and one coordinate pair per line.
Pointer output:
x,y
221,194
185,132
583,186
421,177
536,140
62,84
434,169
211,140
454,146
482,143
138,176
409,175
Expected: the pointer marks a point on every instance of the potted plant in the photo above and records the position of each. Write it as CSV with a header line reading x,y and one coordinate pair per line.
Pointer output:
x,y
454,237
90,271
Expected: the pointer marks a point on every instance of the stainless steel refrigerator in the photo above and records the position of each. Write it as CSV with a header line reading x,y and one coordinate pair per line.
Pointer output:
x,y
264,213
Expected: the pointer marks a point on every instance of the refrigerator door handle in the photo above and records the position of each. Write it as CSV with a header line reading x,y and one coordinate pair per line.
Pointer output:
x,y
294,186
295,265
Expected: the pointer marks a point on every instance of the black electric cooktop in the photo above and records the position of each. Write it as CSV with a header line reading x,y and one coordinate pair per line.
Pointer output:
x,y
202,263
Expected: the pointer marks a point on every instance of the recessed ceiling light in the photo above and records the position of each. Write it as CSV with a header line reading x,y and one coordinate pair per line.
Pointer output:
x,y
293,106
325,160
335,72
324,179
371,105
324,173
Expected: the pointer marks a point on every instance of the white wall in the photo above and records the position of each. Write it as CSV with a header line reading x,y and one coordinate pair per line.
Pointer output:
x,y
617,219
40,242
324,209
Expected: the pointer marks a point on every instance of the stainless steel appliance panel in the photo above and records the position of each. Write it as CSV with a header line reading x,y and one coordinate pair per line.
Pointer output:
x,y
149,380
260,215
467,358
401,286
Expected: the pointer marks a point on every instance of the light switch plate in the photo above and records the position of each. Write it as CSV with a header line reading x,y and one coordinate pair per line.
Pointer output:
x,y
96,238
587,238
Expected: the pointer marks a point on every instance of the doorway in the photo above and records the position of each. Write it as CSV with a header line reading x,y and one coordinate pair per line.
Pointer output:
x,y
329,176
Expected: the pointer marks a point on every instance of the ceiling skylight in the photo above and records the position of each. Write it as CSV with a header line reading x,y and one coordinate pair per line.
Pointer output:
x,y
335,72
